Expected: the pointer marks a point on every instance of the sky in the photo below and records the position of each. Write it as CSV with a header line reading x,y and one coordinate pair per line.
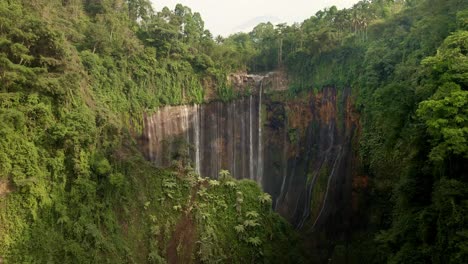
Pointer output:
x,y
224,17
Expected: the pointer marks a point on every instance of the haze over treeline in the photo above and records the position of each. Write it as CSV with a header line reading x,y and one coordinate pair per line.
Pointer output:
x,y
229,17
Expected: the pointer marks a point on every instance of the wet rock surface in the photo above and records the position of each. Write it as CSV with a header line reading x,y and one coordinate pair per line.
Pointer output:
x,y
299,150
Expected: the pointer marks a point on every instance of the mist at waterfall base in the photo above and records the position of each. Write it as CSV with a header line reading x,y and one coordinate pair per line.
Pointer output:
x,y
300,152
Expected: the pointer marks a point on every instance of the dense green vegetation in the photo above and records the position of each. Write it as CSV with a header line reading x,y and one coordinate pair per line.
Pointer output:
x,y
407,64
75,79
76,76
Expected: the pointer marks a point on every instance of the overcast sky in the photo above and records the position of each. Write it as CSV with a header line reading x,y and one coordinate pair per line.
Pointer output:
x,y
224,17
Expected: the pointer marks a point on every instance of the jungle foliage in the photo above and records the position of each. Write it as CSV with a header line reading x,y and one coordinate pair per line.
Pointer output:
x,y
76,76
407,64
75,79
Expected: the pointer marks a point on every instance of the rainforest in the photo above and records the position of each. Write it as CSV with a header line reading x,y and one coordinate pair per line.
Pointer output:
x,y
133,135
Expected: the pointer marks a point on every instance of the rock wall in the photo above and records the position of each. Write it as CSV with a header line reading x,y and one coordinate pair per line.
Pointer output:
x,y
309,159
299,150
219,136
272,81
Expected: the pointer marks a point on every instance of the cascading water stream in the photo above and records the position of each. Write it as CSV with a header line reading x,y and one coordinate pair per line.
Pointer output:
x,y
197,138
220,136
251,169
260,138
285,170
234,136
326,155
330,177
186,123
149,129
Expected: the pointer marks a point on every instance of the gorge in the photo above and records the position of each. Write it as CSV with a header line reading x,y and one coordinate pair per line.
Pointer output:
x,y
130,135
298,150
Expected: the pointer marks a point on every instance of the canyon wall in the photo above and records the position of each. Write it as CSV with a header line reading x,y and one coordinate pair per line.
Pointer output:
x,y
298,149
309,157
213,136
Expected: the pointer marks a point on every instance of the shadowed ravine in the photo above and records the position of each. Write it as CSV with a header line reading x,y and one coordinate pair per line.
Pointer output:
x,y
299,150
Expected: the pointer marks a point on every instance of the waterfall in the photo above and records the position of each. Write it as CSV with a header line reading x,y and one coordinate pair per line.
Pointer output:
x,y
234,155
213,144
324,203
234,136
218,136
186,124
285,169
251,172
149,128
242,143
156,124
218,140
196,124
260,139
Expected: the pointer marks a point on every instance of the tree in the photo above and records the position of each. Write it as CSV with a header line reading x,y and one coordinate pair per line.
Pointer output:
x,y
280,31
139,9
445,113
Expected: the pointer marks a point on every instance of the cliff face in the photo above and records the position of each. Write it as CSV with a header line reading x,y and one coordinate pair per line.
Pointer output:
x,y
272,81
214,136
309,158
299,150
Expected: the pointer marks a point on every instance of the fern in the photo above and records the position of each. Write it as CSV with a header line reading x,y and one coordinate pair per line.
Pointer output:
x,y
264,198
250,223
170,184
252,214
254,241
239,228
213,183
230,184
